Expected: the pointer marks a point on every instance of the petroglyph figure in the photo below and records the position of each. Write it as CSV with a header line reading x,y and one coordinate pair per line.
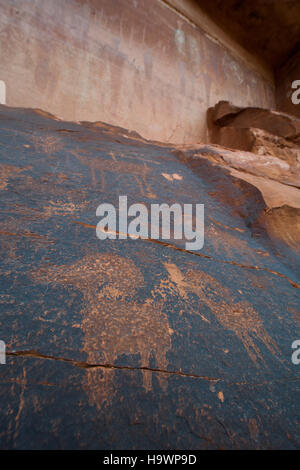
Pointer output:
x,y
114,322
140,172
239,317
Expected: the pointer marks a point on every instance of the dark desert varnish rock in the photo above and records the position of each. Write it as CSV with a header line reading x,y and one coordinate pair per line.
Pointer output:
x,y
132,344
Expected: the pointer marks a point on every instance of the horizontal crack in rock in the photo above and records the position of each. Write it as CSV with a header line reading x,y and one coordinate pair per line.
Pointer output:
x,y
201,255
86,365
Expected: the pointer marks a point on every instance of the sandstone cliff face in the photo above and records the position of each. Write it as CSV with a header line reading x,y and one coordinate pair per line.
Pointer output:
x,y
133,63
132,343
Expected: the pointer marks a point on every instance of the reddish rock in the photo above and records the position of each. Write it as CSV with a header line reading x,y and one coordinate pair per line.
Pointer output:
x,y
138,343
257,141
280,124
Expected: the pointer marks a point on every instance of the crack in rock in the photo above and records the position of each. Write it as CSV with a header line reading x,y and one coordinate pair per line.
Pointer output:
x,y
201,255
86,365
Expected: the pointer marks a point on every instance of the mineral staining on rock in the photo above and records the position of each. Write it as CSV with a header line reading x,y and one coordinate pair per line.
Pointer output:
x,y
132,341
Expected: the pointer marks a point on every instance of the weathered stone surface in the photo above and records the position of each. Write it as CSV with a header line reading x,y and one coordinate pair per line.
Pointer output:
x,y
283,223
269,28
280,124
275,193
223,112
268,144
259,165
130,343
134,63
277,181
257,141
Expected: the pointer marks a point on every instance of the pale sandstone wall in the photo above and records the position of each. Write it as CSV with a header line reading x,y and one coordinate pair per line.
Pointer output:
x,y
138,64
